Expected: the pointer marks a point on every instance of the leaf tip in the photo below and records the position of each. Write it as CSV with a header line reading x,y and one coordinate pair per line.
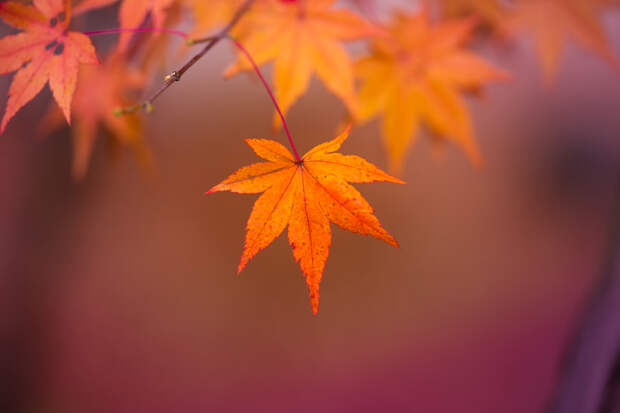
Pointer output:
x,y
394,243
395,180
242,263
314,298
475,157
67,112
230,71
314,303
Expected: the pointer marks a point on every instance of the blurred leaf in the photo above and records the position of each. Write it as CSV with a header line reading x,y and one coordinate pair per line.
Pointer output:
x,y
302,38
101,89
416,74
554,22
133,12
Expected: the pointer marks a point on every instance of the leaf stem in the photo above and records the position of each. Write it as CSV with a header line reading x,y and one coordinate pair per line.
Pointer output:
x,y
175,76
271,95
137,30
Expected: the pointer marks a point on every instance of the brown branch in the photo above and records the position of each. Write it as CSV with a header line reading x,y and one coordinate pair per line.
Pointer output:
x,y
176,75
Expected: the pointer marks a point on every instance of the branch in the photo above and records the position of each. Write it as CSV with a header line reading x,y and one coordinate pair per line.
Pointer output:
x,y
176,75
588,367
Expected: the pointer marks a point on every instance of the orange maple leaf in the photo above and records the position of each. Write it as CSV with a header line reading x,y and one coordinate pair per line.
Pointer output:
x,y
51,53
492,13
301,38
93,109
306,196
553,22
210,14
415,74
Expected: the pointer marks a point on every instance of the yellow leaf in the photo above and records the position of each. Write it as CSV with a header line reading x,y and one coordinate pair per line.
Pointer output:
x,y
415,74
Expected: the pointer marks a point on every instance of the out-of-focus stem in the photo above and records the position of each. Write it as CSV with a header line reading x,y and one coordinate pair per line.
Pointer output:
x,y
137,30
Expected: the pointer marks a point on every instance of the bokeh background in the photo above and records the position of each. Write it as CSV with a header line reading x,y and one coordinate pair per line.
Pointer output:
x,y
119,293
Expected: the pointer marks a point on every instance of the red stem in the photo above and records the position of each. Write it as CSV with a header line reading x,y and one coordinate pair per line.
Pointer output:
x,y
273,98
138,30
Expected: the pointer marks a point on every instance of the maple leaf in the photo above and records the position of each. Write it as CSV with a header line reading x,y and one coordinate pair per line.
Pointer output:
x,y
491,12
84,6
416,73
306,196
51,53
93,109
553,22
133,12
210,14
302,38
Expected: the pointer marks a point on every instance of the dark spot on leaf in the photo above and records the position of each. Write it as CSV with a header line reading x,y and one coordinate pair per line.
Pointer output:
x,y
53,21
50,45
59,49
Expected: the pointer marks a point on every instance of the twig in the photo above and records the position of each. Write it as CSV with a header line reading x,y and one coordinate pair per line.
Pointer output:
x,y
176,75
